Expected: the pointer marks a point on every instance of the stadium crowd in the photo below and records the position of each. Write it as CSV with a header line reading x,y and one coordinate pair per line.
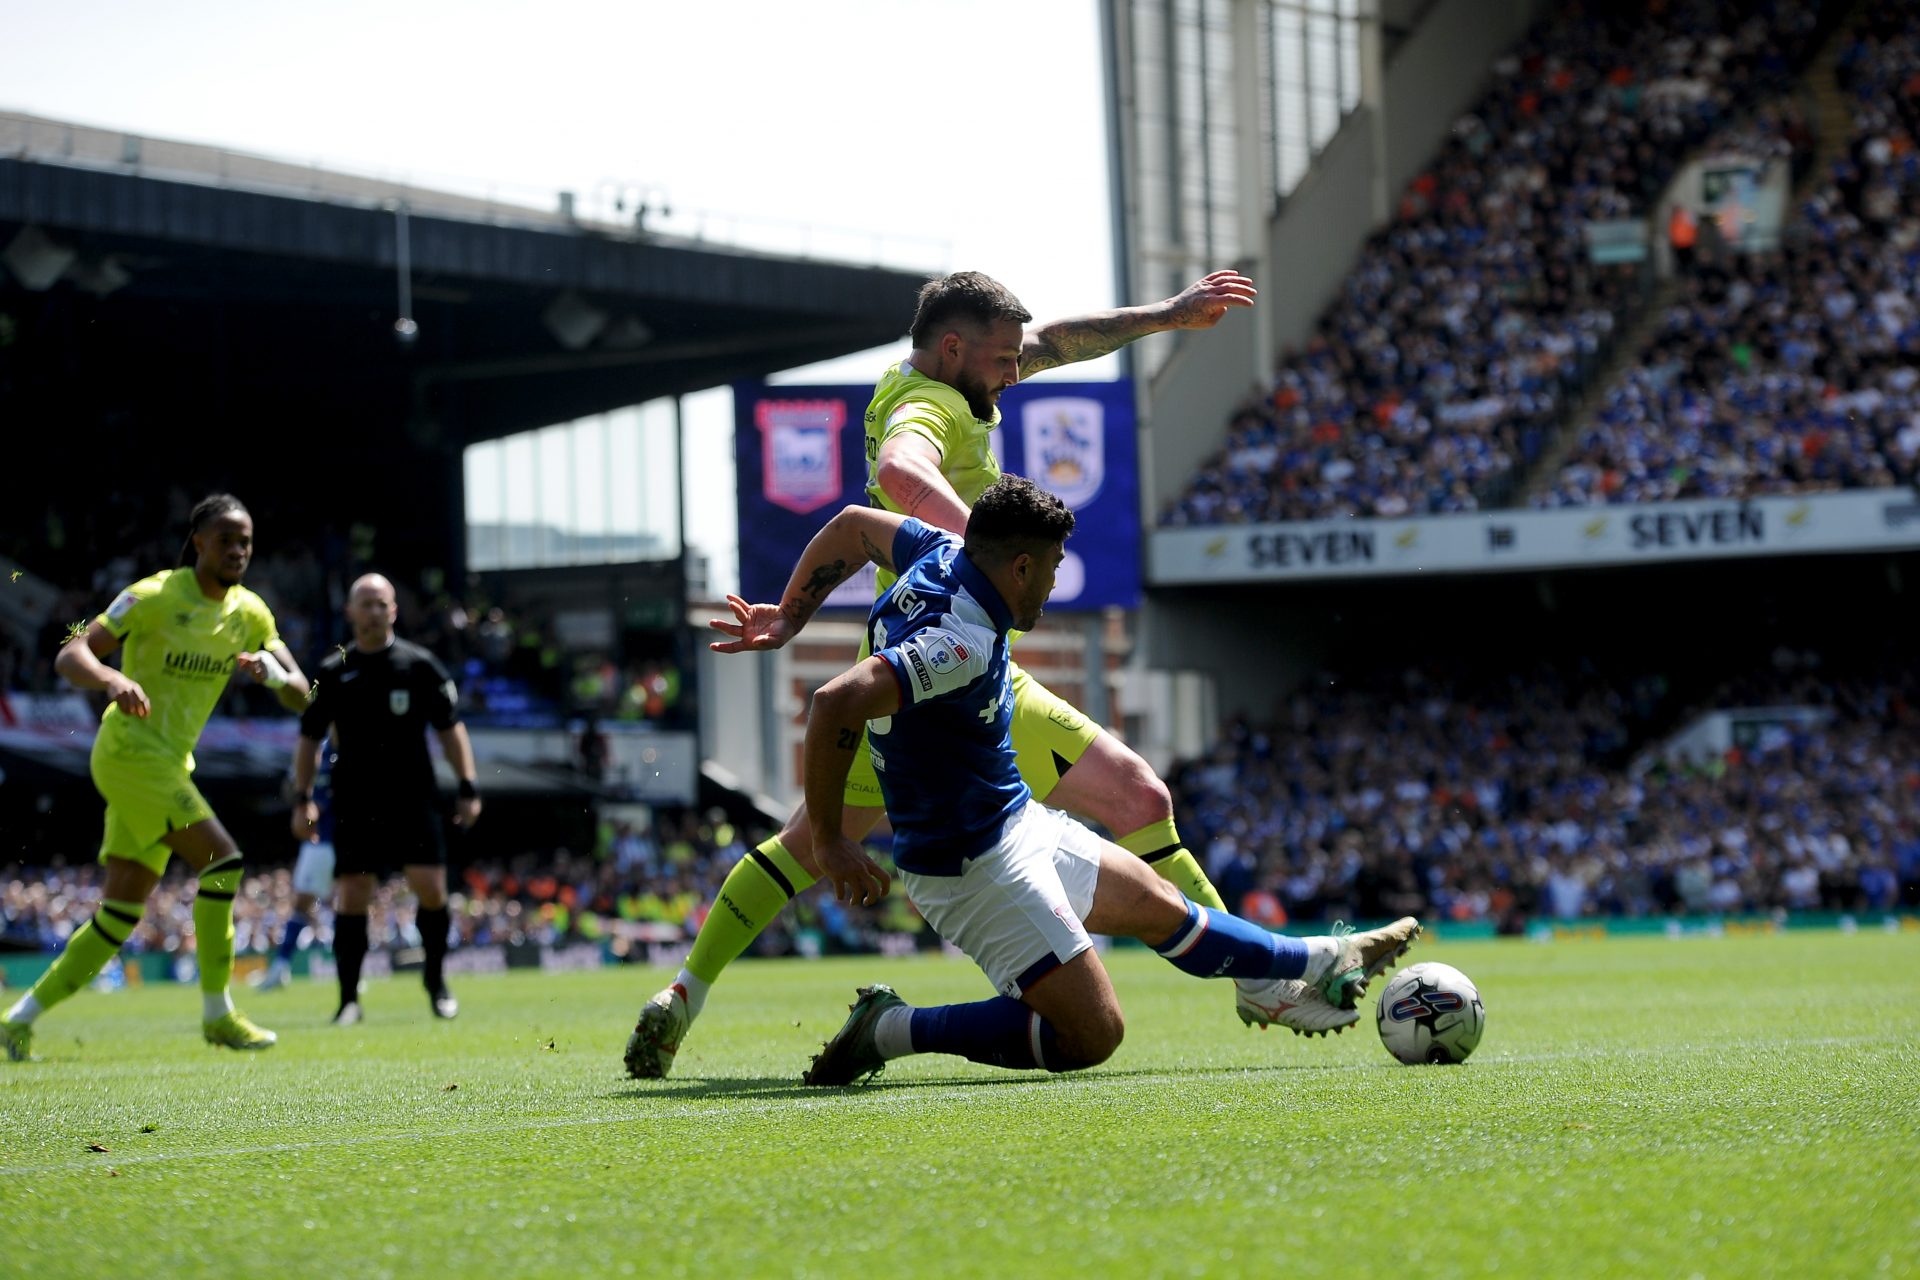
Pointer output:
x,y
1496,798
1465,323
1511,797
640,884
1789,370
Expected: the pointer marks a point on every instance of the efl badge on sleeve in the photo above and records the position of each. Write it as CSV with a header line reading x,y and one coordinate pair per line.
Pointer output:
x,y
800,451
1066,451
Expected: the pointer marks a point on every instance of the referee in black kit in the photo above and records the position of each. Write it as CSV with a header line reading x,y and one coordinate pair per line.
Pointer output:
x,y
377,697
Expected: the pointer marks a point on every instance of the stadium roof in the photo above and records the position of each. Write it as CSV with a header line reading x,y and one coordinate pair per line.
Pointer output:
x,y
253,286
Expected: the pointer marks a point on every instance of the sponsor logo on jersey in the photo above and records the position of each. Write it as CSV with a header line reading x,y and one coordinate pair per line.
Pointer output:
x,y
198,666
1067,718
944,652
1066,446
398,700
800,452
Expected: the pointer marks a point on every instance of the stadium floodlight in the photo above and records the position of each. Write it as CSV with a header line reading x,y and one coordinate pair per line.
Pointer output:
x,y
35,260
405,329
573,321
100,276
627,334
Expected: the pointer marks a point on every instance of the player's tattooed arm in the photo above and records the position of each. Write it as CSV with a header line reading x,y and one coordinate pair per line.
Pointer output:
x,y
800,605
908,472
1083,338
825,578
852,538
914,497
840,710
1199,306
875,553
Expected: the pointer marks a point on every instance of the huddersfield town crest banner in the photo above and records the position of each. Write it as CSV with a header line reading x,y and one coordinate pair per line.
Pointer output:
x,y
801,456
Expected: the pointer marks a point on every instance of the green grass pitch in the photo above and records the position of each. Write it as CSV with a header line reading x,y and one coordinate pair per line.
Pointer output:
x,y
1730,1107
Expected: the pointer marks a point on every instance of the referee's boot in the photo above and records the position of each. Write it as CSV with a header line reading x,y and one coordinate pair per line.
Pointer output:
x,y
444,1005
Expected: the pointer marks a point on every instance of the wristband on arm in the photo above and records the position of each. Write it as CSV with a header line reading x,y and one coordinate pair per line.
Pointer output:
x,y
276,676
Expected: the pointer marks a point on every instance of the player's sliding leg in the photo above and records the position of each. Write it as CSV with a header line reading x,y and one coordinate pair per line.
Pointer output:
x,y
429,885
128,884
1067,1019
1028,898
350,942
1017,911
1305,984
758,888
211,852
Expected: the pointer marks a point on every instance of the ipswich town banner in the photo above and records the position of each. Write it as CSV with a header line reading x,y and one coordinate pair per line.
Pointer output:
x,y
801,456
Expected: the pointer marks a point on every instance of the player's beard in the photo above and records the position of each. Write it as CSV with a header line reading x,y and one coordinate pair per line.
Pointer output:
x,y
980,397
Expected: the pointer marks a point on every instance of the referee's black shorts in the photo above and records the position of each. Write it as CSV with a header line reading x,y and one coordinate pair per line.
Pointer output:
x,y
380,839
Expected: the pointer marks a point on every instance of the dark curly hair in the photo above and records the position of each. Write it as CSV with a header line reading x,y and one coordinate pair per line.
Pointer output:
x,y
1015,515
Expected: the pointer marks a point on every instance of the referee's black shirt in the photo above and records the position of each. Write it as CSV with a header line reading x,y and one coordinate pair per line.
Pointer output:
x,y
379,706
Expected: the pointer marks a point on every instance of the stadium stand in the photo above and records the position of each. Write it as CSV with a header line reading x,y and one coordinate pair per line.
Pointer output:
x,y
1788,371
1544,793
1467,323
641,885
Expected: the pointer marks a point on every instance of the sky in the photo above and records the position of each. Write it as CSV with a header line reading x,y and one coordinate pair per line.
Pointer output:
x,y
932,134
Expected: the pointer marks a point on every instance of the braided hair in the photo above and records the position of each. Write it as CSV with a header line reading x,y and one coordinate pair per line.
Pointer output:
x,y
205,512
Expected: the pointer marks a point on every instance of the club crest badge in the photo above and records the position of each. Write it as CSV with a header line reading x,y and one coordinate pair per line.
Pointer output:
x,y
398,701
1065,438
800,452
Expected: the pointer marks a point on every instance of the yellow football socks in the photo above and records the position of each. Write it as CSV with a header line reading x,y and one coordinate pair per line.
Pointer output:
x,y
1158,845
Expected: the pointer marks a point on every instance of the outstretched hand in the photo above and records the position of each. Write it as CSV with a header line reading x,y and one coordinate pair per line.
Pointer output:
x,y
755,627
1202,304
856,879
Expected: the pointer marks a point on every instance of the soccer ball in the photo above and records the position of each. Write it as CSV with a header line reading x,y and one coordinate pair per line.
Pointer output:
x,y
1430,1013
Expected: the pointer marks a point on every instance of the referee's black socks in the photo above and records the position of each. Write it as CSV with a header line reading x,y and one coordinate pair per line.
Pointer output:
x,y
432,922
349,951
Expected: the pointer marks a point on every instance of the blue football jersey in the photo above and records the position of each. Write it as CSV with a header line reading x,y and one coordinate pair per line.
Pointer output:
x,y
945,759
